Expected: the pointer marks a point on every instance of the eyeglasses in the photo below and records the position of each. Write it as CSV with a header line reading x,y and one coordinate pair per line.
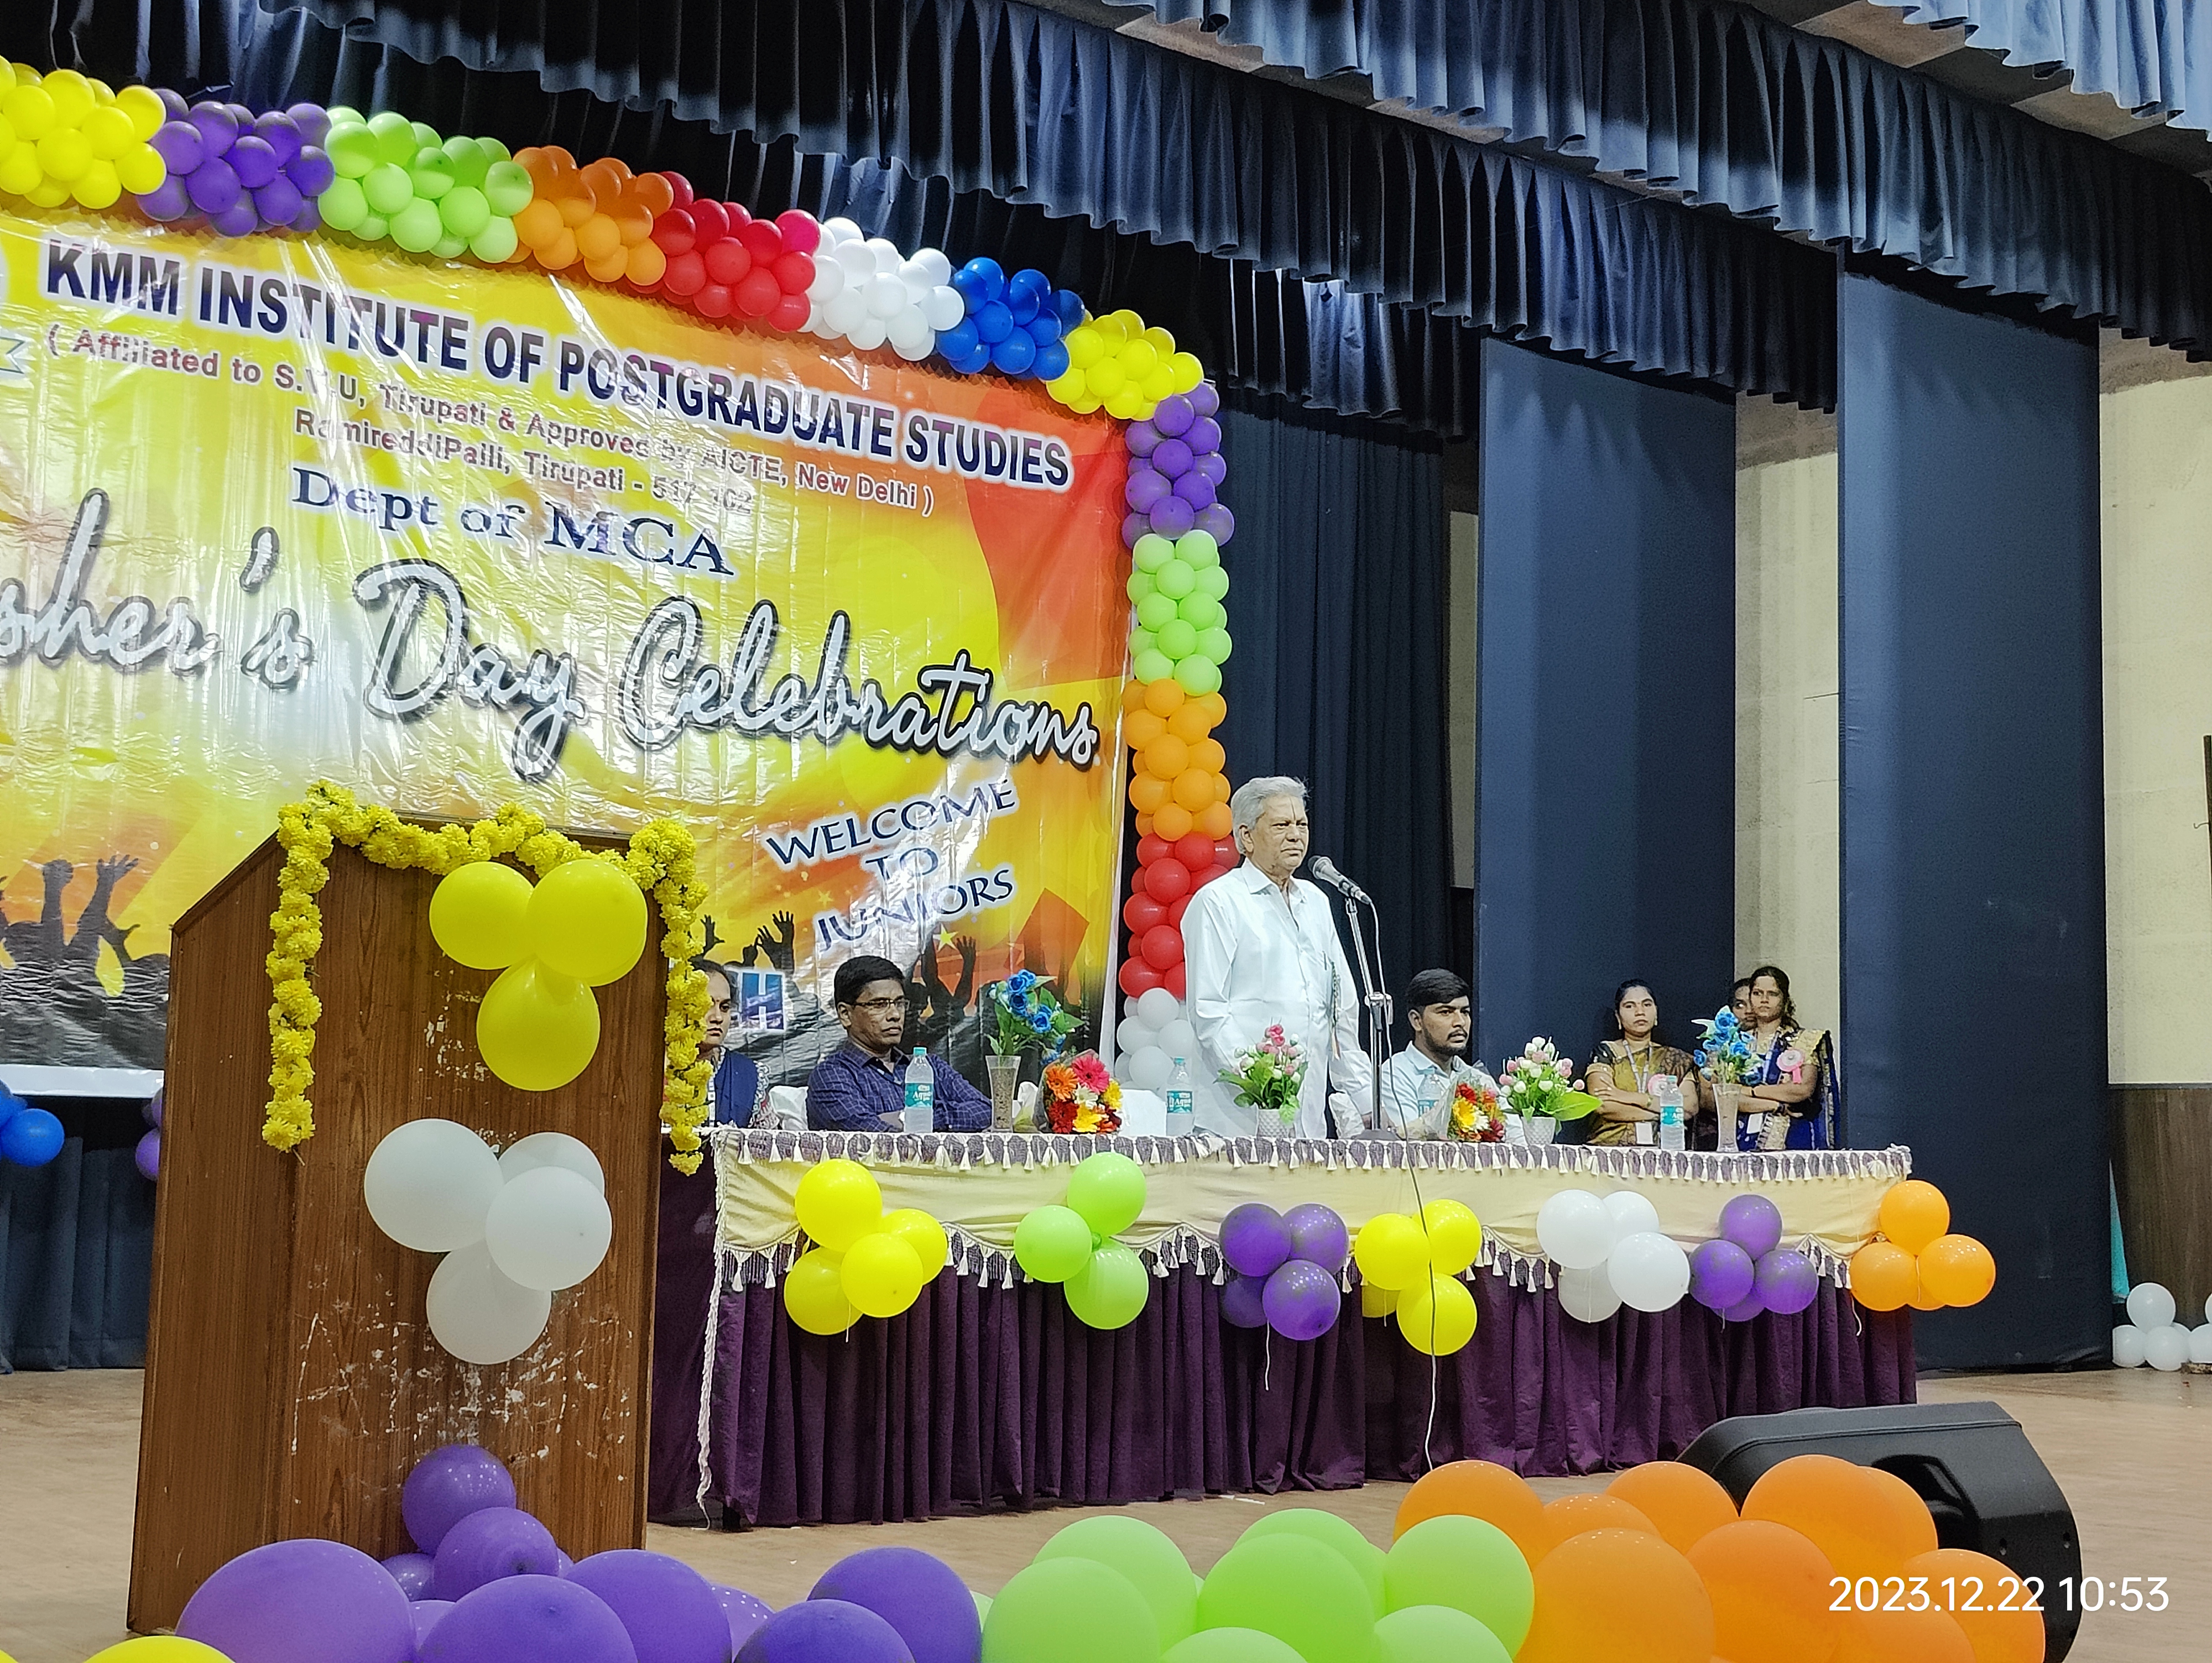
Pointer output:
x,y
879,1007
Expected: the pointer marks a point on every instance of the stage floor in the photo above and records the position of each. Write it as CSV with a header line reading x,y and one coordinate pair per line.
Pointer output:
x,y
2126,1447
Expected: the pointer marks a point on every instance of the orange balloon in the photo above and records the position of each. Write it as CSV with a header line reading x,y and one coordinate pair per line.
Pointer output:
x,y
1167,756
632,223
1901,1637
1164,696
602,181
576,208
1207,755
1914,1525
1218,705
539,223
1884,1275
1851,1514
1172,821
1922,1300
1610,1594
653,193
1997,1636
1193,722
1221,791
1570,1515
1216,822
646,264
559,254
609,268
1479,1489
1144,825
1132,696
1141,727
597,238
545,164
1913,1214
1683,1504
1147,793
1771,1593
1193,790
1957,1270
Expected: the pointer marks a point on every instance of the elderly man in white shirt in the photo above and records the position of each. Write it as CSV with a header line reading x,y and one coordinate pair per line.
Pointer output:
x,y
1259,949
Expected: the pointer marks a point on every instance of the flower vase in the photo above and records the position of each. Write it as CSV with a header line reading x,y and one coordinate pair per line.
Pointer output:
x,y
1541,1130
1278,1122
1727,1106
1005,1074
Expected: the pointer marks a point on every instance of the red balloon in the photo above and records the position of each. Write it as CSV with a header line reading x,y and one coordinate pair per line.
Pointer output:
x,y
1195,850
794,272
1167,879
1173,982
676,231
1140,912
1225,852
788,314
680,185
762,241
1138,977
741,216
712,219
1199,879
757,294
713,301
1176,911
1151,848
1163,947
801,231
686,274
727,261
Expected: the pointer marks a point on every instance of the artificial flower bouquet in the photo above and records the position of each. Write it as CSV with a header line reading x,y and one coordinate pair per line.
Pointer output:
x,y
1476,1115
1080,1095
1723,1054
1027,1016
1540,1084
1268,1078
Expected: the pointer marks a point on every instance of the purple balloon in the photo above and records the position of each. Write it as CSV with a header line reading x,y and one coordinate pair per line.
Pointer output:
x,y
413,1572
1132,527
742,1611
427,1613
1318,1234
490,1544
668,1609
1173,457
1195,490
1141,437
166,202
1721,1275
1753,1223
313,121
254,160
1174,415
917,1593
1172,516
1787,1281
1205,398
563,1564
1204,437
148,1155
529,1619
174,103
1243,1302
241,114
827,1631
281,134
218,127
1217,523
181,145
278,202
152,1113
1752,1306
302,1601
310,218
1301,1300
1255,1240
311,173
239,220
449,1484
1214,466
1144,487
213,186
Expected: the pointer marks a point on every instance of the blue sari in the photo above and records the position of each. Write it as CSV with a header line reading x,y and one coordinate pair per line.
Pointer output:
x,y
1813,1122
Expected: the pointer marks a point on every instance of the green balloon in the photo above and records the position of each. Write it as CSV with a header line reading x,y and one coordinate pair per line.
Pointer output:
x,y
1214,581
1151,552
343,115
1072,1611
1139,585
1109,1191
373,227
1341,1536
1174,580
432,173
388,189
507,186
352,151
1296,1589
1198,550
469,160
1177,639
1201,611
449,248
1426,1633
415,227
1468,1564
1110,1292
495,242
1141,642
1213,646
426,135
983,1604
1231,1645
342,206
1051,1244
1154,610
496,150
1197,676
395,137
1146,1556
1153,666
465,211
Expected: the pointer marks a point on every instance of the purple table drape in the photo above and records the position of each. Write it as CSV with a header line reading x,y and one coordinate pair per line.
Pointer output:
x,y
982,1396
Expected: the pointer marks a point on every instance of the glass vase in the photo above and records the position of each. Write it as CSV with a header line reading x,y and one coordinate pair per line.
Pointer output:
x,y
1006,1077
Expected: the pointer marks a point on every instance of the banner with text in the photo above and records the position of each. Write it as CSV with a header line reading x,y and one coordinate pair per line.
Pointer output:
x,y
272,511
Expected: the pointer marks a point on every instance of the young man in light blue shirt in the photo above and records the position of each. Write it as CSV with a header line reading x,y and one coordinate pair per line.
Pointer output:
x,y
1442,1016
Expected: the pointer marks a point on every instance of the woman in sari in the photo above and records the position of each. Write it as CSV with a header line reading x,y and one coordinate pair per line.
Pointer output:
x,y
1627,1074
1791,1086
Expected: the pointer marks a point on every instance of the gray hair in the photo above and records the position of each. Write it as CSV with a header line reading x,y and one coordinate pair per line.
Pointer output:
x,y
1253,796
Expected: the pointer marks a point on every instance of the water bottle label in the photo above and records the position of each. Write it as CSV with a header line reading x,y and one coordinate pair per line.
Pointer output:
x,y
1178,1102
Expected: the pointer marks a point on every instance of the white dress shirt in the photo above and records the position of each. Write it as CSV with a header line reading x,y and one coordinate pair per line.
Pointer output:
x,y
1254,957
1407,1077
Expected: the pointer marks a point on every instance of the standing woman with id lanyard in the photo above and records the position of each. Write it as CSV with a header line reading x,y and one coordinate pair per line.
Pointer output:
x,y
1626,1074
1791,1095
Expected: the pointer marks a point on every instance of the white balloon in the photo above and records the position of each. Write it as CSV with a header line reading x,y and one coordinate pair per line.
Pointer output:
x,y
2150,1305
552,1149
1632,1214
916,278
887,296
1649,1271
908,326
2200,1343
1133,1034
2208,1307
549,1229
884,256
2127,1346
1157,1007
1575,1230
859,264
1150,1069
828,280
1587,1295
480,1315
868,334
914,347
1178,1039
935,264
2167,1348
840,230
845,311
429,1184
944,308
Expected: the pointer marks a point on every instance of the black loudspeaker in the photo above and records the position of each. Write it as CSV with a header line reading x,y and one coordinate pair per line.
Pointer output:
x,y
1987,1488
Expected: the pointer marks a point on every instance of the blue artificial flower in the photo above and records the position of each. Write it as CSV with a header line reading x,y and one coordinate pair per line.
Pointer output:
x,y
1022,981
1041,1021
1698,1056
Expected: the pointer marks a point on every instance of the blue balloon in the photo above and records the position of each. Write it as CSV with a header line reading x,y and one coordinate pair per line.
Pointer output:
x,y
975,362
10,1105
1051,361
958,341
31,1138
990,275
1024,307
1069,305
1031,281
1014,354
993,323
972,289
1044,328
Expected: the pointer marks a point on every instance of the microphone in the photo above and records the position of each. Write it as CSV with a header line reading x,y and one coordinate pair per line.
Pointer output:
x,y
1325,869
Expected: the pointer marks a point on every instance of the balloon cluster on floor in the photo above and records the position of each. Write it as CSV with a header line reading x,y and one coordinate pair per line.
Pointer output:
x,y
1287,1265
1410,1269
514,1227
1917,1262
2153,1333
864,1261
580,926
1106,1283
28,1137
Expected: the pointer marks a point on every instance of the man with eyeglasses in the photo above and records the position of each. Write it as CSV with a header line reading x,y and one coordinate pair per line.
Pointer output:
x,y
861,1085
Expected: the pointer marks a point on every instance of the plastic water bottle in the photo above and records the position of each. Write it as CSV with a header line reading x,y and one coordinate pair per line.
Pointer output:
x,y
1179,1123
1670,1116
921,1092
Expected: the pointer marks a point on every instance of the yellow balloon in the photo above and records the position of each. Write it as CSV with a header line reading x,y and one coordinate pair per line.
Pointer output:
x,y
1113,334
97,186
1084,347
1188,371
882,1275
1128,404
63,155
108,133
924,1234
1438,1319
814,1294
144,108
1454,1235
140,169
1376,1301
587,920
1157,384
30,112
478,913
839,1203
19,170
1087,405
1066,388
157,1649
1162,341
1391,1251
537,1028
1138,360
49,193
1105,378
72,94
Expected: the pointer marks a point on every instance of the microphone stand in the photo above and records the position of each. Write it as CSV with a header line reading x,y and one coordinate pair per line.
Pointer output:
x,y
1375,999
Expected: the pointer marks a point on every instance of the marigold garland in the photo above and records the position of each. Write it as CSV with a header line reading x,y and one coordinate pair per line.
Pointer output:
x,y
662,858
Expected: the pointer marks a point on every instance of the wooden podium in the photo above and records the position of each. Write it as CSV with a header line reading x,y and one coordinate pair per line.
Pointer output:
x,y
291,1379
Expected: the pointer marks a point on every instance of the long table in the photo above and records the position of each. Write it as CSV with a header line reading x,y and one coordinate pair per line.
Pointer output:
x,y
989,1393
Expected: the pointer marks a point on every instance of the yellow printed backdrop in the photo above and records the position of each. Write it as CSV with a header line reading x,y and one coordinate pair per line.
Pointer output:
x,y
274,511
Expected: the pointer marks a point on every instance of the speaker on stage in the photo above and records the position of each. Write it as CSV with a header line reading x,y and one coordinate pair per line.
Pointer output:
x,y
1987,1488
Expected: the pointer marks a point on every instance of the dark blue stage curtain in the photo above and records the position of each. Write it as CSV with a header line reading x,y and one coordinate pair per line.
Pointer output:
x,y
77,1253
1973,810
1338,576
1607,701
